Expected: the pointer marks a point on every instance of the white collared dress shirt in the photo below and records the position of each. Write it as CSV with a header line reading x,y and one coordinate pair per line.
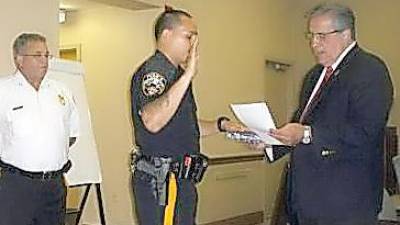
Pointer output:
x,y
35,126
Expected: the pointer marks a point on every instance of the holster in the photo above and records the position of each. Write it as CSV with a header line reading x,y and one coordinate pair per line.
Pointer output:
x,y
191,167
158,169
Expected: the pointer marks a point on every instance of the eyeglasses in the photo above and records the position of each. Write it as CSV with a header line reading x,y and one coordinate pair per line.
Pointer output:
x,y
38,56
320,35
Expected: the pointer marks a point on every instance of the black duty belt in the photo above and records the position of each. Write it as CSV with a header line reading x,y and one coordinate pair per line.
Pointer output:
x,y
47,175
190,167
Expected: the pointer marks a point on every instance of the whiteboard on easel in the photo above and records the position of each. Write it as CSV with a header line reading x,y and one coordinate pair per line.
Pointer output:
x,y
83,154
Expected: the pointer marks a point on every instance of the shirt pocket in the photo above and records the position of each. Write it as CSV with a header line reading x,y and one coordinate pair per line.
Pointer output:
x,y
56,117
22,122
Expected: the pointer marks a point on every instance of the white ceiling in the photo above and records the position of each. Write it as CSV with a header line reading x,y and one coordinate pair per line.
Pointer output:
x,y
79,4
73,5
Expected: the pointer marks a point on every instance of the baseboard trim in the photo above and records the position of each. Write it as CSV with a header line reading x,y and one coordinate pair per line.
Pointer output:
x,y
246,219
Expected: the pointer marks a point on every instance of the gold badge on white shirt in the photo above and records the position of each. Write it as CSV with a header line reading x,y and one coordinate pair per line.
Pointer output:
x,y
61,99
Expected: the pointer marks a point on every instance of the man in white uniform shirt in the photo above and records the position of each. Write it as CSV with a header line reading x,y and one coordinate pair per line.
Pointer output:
x,y
38,124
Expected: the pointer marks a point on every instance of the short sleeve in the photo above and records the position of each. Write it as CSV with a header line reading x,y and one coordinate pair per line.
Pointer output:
x,y
74,124
149,86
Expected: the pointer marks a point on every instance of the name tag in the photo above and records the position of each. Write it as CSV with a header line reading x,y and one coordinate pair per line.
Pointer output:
x,y
18,107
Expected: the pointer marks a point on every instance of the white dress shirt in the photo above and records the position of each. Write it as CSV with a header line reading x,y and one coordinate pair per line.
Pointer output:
x,y
321,78
334,66
35,126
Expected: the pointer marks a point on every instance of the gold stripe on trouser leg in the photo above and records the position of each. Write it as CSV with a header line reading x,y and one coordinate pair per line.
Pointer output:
x,y
172,193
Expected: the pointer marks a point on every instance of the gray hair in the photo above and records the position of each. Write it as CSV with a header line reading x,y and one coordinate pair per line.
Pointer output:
x,y
23,39
343,16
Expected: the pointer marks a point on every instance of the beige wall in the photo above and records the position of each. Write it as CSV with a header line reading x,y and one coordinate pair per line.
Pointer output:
x,y
113,42
26,16
234,43
236,38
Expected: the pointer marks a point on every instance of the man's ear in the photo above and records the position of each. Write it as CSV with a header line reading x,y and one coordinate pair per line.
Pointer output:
x,y
18,60
347,33
166,33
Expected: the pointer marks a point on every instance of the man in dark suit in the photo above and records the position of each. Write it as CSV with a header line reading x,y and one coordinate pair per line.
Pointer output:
x,y
336,135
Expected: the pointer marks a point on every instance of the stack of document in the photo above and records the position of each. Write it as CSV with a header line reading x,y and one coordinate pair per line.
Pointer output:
x,y
257,117
248,137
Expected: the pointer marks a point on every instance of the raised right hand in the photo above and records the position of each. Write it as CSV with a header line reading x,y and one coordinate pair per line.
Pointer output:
x,y
192,62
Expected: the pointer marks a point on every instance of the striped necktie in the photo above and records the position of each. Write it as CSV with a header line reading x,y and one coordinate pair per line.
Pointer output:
x,y
314,100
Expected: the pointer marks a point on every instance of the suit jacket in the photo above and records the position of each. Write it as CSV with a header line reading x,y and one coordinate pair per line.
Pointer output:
x,y
340,174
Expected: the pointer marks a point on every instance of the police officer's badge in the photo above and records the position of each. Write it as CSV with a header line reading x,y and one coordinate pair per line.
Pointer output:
x,y
153,84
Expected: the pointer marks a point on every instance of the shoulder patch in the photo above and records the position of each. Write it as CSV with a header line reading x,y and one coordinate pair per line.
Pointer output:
x,y
153,84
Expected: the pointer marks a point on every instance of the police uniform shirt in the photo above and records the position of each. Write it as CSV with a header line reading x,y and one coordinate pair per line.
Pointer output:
x,y
181,134
35,126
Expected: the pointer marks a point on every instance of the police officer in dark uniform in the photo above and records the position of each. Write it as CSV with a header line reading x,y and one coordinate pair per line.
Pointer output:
x,y
167,130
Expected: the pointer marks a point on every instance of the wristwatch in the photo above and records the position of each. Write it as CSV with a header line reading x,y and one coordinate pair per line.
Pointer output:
x,y
220,121
306,135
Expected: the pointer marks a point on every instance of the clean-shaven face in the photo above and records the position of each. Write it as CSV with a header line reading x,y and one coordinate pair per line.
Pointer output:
x,y
34,59
327,42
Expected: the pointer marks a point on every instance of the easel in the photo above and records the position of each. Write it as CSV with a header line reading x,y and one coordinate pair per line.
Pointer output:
x,y
84,199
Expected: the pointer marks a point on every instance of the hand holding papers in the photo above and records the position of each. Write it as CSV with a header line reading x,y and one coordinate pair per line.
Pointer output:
x,y
258,119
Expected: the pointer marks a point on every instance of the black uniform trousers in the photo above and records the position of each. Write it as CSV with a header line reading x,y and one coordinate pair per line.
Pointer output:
x,y
148,210
28,201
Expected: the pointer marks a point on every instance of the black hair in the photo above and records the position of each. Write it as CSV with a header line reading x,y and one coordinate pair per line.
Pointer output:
x,y
169,19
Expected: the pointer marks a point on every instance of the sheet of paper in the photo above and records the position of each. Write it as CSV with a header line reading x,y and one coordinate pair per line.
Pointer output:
x,y
258,118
